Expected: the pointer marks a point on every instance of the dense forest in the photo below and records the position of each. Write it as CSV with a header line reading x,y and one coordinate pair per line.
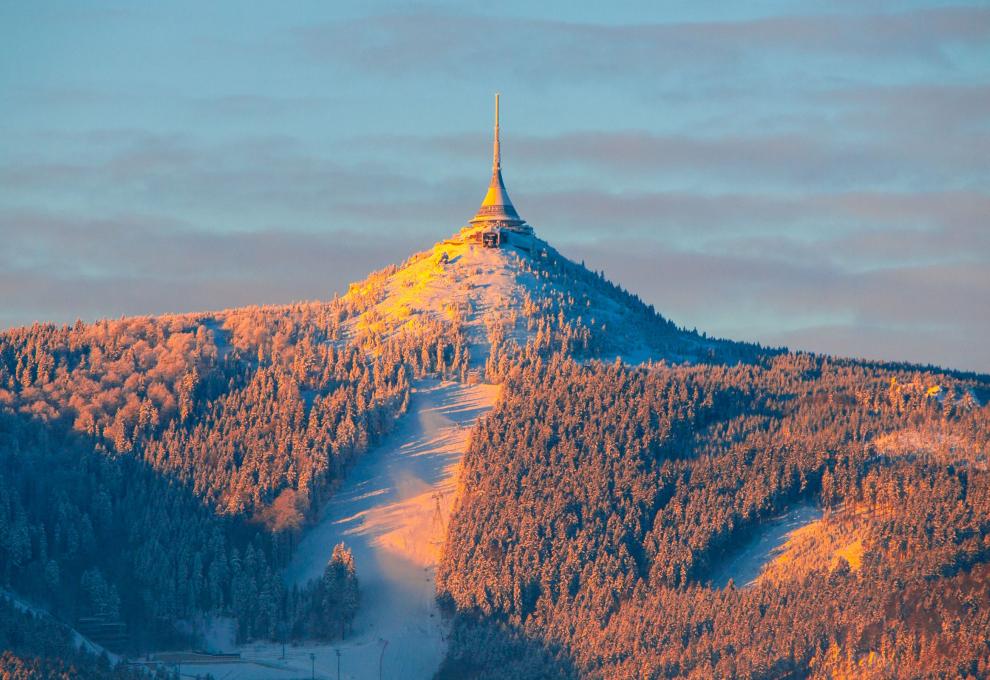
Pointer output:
x,y
156,469
599,498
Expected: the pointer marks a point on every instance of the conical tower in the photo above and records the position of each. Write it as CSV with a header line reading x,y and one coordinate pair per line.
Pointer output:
x,y
496,210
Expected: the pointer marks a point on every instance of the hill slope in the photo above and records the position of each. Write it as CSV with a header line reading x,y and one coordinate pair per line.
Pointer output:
x,y
602,503
242,422
503,298
157,471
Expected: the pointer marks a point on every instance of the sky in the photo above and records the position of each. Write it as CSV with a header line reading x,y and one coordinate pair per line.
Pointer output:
x,y
813,175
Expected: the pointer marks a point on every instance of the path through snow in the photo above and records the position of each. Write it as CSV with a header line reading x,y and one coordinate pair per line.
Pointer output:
x,y
392,512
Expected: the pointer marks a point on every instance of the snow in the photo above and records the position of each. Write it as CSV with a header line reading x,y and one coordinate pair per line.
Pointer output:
x,y
746,565
392,513
454,278
458,278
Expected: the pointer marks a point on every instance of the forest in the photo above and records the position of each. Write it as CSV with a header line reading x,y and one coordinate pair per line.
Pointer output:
x,y
157,469
36,647
599,498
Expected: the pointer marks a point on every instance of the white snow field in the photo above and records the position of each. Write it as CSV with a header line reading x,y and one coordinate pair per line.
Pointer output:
x,y
392,512
746,565
482,287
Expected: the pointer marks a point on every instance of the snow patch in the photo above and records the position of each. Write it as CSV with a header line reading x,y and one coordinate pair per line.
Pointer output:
x,y
745,566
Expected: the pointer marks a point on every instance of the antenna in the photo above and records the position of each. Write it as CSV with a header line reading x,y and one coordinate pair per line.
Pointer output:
x,y
497,160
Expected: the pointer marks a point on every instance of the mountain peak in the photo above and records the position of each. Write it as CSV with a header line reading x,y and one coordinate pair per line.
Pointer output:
x,y
515,293
502,289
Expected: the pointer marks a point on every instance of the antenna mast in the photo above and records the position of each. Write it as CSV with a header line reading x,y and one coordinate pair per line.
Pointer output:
x,y
497,160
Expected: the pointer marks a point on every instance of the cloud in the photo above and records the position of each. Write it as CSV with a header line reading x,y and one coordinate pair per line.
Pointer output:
x,y
544,50
952,109
56,267
922,313
259,180
877,136
956,216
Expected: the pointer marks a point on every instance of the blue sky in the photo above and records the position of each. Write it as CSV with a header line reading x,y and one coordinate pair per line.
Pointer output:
x,y
808,174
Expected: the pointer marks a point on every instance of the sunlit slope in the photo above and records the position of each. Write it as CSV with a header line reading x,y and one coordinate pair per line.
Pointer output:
x,y
504,298
392,512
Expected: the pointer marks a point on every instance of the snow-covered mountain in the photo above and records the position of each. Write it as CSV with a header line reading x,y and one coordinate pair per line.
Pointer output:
x,y
285,429
490,305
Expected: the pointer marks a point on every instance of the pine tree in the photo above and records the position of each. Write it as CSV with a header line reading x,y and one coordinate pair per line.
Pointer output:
x,y
340,591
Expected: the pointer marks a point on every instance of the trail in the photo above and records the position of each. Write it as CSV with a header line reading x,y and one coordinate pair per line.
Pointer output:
x,y
392,512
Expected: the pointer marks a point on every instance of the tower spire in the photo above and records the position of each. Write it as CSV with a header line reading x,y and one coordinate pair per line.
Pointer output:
x,y
496,209
497,155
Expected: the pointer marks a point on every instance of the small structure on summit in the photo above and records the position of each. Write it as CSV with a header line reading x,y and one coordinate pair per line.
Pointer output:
x,y
497,223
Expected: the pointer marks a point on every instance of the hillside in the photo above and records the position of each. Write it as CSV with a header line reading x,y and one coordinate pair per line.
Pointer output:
x,y
193,449
501,299
603,502
161,473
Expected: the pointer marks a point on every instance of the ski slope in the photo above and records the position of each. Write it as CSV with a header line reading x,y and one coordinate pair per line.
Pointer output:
x,y
392,512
